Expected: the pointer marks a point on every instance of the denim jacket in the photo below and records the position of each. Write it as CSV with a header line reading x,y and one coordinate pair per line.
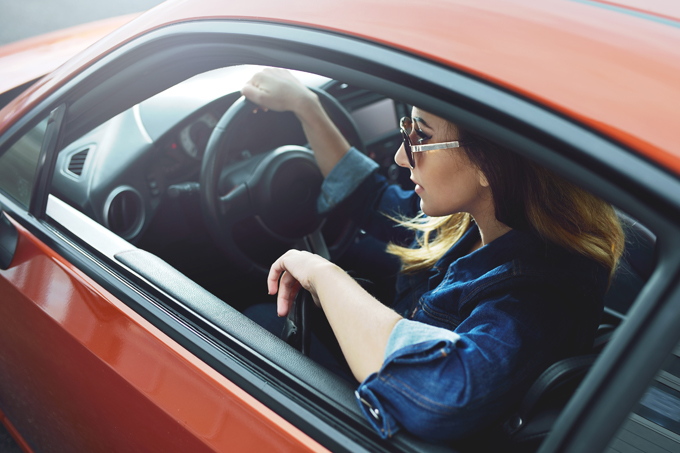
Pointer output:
x,y
478,327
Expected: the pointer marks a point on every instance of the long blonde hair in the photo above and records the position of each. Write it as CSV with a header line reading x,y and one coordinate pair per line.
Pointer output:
x,y
526,197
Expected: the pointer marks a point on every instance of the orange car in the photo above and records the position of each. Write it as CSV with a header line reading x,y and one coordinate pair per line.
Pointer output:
x,y
130,243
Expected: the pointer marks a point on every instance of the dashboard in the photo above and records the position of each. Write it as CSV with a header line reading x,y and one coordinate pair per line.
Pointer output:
x,y
121,173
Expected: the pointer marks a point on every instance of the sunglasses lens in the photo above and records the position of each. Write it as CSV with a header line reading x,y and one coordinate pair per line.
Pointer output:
x,y
406,129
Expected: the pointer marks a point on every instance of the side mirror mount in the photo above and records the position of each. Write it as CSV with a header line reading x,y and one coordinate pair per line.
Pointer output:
x,y
9,237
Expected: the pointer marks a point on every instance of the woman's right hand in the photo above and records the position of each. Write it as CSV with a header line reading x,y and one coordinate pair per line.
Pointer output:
x,y
279,90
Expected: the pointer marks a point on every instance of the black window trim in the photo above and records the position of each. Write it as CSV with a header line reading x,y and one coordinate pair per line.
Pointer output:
x,y
571,149
17,132
46,161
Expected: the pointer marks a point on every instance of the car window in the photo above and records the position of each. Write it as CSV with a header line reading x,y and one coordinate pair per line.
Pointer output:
x,y
18,164
142,184
654,423
137,174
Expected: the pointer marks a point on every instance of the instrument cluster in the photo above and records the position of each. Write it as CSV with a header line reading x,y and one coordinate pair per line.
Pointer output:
x,y
182,152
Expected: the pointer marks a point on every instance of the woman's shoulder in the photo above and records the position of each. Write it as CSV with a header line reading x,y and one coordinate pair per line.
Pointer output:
x,y
558,264
521,259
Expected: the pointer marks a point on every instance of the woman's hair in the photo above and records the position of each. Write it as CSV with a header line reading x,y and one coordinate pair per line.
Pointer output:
x,y
526,197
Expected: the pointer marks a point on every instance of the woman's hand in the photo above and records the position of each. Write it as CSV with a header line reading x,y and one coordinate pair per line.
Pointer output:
x,y
361,324
296,270
279,90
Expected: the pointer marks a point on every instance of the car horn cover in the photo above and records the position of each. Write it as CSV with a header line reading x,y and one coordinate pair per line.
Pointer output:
x,y
286,195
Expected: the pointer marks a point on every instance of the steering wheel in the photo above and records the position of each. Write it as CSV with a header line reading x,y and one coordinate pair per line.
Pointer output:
x,y
278,188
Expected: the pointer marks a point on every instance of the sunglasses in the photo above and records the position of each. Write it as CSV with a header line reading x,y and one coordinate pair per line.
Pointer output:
x,y
406,125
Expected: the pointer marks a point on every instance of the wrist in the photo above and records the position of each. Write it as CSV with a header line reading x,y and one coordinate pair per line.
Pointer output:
x,y
309,108
324,276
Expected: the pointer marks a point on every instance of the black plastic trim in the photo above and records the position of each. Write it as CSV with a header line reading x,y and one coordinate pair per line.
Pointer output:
x,y
46,162
9,237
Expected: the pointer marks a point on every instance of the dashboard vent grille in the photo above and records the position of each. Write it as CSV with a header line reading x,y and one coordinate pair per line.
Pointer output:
x,y
77,162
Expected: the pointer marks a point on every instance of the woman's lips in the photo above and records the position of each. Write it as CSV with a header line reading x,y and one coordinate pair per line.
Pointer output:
x,y
418,188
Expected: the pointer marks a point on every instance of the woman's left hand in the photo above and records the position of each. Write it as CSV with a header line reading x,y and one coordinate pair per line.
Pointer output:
x,y
296,269
361,324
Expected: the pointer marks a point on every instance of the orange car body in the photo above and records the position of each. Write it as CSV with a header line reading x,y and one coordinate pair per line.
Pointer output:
x,y
32,58
612,67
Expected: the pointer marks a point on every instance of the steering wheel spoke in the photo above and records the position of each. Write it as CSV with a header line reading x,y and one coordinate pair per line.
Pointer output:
x,y
236,203
316,243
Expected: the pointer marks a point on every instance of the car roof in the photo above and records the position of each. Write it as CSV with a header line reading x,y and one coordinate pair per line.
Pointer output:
x,y
613,66
29,59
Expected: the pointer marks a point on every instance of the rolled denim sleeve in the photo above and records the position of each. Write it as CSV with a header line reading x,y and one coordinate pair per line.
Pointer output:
x,y
406,333
344,178
382,395
442,385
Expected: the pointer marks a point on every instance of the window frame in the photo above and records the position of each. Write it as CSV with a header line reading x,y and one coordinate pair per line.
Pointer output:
x,y
6,145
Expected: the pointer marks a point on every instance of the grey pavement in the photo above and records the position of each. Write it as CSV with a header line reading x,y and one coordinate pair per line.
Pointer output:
x,y
27,18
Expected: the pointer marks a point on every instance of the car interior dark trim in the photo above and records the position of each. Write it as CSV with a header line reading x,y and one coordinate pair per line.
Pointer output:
x,y
588,158
46,161
9,237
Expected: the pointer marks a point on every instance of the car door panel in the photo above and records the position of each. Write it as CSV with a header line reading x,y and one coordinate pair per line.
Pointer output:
x,y
69,348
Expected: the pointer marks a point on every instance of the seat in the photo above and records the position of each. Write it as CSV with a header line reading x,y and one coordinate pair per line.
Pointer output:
x,y
546,398
635,266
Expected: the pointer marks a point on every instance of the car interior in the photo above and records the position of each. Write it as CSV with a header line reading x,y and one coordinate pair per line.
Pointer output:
x,y
138,175
196,191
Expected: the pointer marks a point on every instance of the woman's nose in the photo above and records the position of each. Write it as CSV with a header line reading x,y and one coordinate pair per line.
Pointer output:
x,y
400,157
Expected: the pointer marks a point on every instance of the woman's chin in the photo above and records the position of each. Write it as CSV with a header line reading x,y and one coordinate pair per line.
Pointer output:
x,y
427,209
432,211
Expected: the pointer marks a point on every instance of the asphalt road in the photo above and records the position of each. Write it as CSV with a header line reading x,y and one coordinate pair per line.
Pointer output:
x,y
27,18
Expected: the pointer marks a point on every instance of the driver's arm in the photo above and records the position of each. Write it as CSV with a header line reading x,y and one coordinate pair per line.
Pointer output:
x,y
279,90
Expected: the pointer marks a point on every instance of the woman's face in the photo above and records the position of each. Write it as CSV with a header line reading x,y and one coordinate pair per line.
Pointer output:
x,y
445,179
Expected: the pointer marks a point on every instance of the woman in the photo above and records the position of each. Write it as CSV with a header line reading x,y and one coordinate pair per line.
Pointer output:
x,y
505,276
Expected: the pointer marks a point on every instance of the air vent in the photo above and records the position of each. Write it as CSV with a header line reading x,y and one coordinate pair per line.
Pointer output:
x,y
124,212
77,162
